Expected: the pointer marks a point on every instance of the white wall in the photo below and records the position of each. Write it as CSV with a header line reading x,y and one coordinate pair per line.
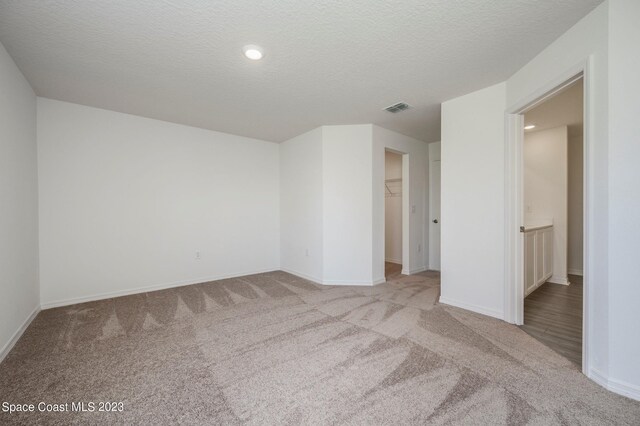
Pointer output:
x,y
352,205
576,206
485,111
608,38
19,293
393,210
126,202
624,196
414,200
587,40
347,202
472,201
301,213
545,178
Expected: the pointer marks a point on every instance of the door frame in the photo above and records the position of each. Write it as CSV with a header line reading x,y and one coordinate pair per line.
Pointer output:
x,y
514,189
431,217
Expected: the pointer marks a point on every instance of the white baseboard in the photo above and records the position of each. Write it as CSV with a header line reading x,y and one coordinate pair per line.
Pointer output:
x,y
413,271
575,272
347,282
396,261
559,280
302,275
473,308
119,293
334,282
16,336
614,385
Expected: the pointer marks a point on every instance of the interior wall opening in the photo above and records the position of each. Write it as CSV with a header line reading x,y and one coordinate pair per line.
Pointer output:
x,y
553,216
393,186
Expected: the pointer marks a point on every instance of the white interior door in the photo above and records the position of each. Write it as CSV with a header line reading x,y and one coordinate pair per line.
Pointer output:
x,y
434,215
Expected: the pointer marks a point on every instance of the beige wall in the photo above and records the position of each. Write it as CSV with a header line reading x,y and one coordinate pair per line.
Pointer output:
x,y
546,188
575,199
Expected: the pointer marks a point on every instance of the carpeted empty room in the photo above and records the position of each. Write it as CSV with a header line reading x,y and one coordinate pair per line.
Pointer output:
x,y
342,212
276,349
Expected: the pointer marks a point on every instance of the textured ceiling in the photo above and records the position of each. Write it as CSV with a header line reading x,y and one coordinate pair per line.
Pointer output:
x,y
326,62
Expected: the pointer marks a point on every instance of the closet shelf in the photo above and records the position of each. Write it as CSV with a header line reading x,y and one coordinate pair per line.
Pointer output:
x,y
393,187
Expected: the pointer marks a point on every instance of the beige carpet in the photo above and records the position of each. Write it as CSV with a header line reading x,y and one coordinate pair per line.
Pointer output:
x,y
276,349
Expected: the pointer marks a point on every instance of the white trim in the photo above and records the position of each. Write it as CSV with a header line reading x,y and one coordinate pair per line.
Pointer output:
x,y
302,275
575,272
474,308
407,201
598,377
16,336
414,271
334,282
615,385
396,261
514,245
430,216
559,280
354,283
588,183
146,289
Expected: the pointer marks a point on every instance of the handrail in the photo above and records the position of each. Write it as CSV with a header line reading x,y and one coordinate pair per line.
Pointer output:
x,y
534,228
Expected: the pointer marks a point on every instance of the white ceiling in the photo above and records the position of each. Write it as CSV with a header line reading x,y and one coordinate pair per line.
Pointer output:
x,y
326,62
563,109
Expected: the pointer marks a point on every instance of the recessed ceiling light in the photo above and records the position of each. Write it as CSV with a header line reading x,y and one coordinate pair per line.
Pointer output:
x,y
253,52
530,126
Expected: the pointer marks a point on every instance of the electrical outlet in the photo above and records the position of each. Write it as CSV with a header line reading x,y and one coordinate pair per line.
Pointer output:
x,y
198,255
413,209
419,248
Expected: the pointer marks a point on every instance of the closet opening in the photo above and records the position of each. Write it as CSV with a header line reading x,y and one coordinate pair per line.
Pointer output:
x,y
392,214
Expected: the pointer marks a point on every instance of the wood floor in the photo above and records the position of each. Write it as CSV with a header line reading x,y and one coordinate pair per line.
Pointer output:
x,y
553,315
391,270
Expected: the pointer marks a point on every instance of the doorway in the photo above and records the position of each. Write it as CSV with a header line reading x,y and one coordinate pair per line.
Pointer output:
x,y
393,214
514,296
552,203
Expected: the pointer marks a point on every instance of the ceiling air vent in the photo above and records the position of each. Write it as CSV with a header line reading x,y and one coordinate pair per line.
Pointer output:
x,y
395,108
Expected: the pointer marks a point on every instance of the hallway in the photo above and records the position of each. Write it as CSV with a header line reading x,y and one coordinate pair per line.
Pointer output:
x,y
553,315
